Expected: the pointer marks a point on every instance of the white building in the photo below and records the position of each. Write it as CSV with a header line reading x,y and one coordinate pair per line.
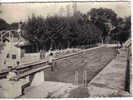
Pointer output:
x,y
16,50
11,54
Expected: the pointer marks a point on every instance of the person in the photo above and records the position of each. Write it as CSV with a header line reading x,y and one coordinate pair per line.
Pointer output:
x,y
50,61
44,53
41,53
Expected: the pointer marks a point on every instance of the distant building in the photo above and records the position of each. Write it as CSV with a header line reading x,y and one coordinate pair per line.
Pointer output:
x,y
74,8
62,11
68,10
10,53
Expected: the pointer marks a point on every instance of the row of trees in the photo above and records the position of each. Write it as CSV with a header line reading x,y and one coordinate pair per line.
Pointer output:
x,y
61,32
5,26
80,29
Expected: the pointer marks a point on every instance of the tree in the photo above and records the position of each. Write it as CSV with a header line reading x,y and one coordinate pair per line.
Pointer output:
x,y
101,17
57,27
123,30
61,32
34,30
14,25
3,24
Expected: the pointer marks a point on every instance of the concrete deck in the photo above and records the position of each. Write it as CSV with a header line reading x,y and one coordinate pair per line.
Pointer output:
x,y
49,90
110,82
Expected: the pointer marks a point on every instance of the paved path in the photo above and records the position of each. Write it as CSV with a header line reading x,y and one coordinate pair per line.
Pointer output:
x,y
111,80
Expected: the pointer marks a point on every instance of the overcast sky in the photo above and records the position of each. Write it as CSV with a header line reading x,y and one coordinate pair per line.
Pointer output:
x,y
12,12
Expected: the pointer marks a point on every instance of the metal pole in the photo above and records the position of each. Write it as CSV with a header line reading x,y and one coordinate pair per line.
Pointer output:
x,y
85,78
76,78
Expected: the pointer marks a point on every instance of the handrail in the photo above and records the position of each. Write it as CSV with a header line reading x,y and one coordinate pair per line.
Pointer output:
x,y
29,72
31,64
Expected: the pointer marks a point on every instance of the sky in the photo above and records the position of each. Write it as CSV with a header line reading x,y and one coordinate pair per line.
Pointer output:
x,y
15,12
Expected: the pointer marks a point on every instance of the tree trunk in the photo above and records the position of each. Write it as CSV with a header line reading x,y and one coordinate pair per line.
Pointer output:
x,y
121,43
68,44
37,48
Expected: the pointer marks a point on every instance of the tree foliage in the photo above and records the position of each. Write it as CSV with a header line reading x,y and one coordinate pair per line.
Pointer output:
x,y
58,32
123,30
61,32
3,24
14,25
101,18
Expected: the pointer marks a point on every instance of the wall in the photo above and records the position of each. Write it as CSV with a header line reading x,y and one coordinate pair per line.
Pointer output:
x,y
10,49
